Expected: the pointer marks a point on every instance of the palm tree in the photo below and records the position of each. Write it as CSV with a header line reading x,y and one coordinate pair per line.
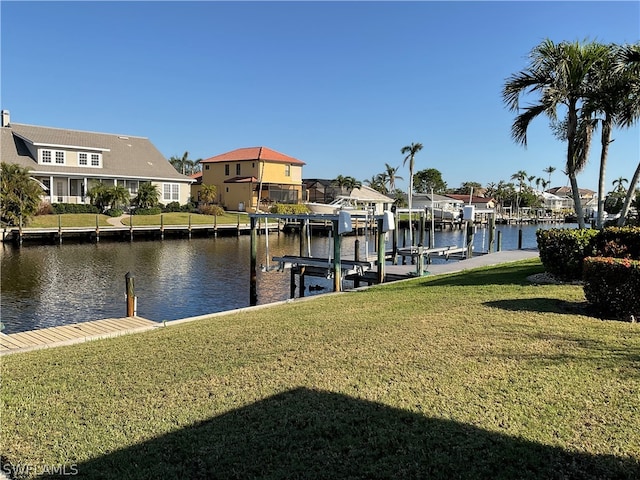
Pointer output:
x,y
628,59
560,74
410,151
184,165
148,195
549,170
19,194
520,176
614,96
346,183
618,185
391,175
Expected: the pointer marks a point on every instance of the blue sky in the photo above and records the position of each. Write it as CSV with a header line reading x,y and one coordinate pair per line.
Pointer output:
x,y
342,86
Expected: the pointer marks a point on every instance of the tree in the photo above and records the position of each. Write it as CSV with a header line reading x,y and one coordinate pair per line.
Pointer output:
x,y
431,178
467,188
560,74
184,165
346,183
106,197
628,59
549,170
119,197
520,176
410,152
19,194
618,185
148,195
391,174
613,96
378,183
208,194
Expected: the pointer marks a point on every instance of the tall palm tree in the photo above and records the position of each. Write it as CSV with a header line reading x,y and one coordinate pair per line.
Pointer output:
x,y
148,195
391,175
613,97
549,170
410,152
628,58
618,184
520,176
559,74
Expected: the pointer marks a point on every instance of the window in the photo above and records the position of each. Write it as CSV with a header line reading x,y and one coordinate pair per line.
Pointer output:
x,y
206,167
237,169
59,158
46,156
171,192
84,158
287,170
226,170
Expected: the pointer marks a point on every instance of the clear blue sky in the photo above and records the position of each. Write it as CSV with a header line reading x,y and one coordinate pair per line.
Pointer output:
x,y
342,86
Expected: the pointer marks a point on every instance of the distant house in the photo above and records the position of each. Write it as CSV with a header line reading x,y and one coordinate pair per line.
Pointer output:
x,y
588,198
69,162
246,175
442,202
481,203
320,190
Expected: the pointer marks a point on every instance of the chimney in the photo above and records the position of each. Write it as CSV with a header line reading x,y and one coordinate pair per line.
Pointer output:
x,y
5,118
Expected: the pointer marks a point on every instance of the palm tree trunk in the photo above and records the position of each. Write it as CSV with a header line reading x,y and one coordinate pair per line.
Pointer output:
x,y
605,140
629,197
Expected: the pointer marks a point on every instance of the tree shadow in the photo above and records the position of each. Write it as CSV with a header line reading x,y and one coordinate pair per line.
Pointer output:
x,y
542,305
311,434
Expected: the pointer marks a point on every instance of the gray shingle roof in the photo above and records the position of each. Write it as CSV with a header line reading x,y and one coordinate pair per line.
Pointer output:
x,y
123,156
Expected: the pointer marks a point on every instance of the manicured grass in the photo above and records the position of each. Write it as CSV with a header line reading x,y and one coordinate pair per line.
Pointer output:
x,y
182,218
472,375
68,220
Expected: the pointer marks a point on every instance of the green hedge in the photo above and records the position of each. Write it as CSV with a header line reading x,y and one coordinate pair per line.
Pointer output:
x,y
562,251
619,242
289,209
612,286
147,211
62,208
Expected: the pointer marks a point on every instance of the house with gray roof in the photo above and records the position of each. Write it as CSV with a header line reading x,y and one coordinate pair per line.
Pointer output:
x,y
69,162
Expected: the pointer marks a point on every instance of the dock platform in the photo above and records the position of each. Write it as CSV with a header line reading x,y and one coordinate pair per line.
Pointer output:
x,y
74,333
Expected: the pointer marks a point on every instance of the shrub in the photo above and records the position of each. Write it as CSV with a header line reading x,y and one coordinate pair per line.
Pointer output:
x,y
172,207
289,208
215,210
61,208
114,212
612,286
148,211
562,251
45,208
619,242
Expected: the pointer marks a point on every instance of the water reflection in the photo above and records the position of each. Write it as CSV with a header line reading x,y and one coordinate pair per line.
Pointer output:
x,y
51,285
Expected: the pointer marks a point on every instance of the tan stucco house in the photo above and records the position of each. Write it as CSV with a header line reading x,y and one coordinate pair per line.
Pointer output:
x,y
69,162
245,175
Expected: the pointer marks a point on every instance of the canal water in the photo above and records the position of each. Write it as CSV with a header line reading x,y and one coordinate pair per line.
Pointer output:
x,y
51,285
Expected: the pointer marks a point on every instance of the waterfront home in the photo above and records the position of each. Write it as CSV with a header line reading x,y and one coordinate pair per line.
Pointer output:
x,y
444,207
320,192
254,178
67,163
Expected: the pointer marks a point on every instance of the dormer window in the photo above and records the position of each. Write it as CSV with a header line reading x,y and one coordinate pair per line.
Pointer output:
x,y
89,159
48,157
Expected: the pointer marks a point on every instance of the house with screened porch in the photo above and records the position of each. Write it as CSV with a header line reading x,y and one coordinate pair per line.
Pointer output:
x,y
67,163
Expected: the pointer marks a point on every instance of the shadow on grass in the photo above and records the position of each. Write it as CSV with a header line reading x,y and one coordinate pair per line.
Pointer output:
x,y
312,434
542,305
506,274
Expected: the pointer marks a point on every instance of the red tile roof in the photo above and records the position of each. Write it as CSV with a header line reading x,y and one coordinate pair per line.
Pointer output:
x,y
253,153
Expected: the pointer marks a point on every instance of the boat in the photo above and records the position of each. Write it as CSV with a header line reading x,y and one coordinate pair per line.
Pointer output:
x,y
341,202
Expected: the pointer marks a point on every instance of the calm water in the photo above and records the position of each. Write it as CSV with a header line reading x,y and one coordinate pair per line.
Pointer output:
x,y
44,286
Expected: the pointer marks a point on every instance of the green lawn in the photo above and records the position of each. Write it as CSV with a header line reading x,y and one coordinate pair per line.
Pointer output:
x,y
68,220
173,218
473,375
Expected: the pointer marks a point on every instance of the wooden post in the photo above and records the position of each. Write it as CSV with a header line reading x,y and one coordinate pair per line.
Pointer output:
x,y
381,254
131,228
292,283
499,245
520,239
60,229
356,257
215,225
253,271
162,227
492,232
394,246
420,259
131,297
302,287
189,226
422,228
97,229
337,265
238,226
470,228
303,238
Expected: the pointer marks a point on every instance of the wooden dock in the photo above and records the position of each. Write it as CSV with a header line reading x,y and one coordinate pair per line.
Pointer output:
x,y
74,333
